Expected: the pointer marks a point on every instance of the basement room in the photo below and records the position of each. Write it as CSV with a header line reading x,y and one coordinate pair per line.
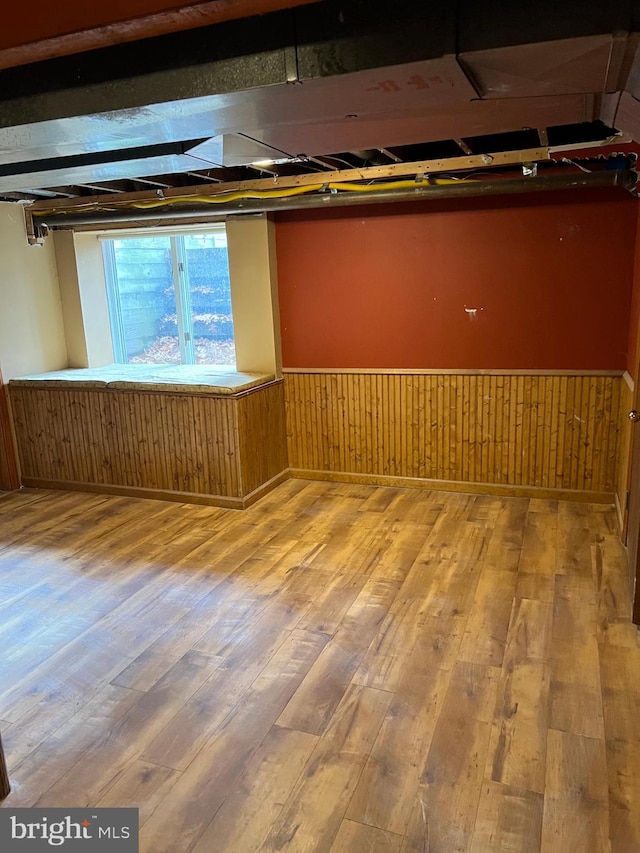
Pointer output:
x,y
319,456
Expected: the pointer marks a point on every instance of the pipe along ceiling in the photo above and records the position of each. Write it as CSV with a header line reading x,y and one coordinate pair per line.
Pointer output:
x,y
331,103
199,208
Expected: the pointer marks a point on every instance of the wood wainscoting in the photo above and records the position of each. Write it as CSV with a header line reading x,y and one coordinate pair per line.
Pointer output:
x,y
535,433
9,477
624,455
225,450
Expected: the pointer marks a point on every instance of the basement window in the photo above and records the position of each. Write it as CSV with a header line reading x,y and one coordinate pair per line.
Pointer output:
x,y
170,298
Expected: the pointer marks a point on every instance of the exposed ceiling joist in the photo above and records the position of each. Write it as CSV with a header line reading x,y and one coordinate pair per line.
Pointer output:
x,y
480,175
462,145
393,157
425,192
372,90
370,173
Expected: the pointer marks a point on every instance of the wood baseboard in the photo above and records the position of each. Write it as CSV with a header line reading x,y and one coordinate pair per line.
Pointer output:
x,y
265,488
332,477
160,494
620,517
136,492
457,486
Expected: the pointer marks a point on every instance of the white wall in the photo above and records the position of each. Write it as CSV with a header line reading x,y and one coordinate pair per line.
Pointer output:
x,y
254,294
84,299
46,326
32,336
93,297
65,252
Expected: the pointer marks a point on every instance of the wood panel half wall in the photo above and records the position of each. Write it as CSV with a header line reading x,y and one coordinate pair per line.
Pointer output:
x,y
225,450
535,433
9,477
538,434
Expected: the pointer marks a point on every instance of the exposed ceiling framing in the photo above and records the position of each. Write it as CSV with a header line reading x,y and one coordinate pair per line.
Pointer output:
x,y
476,175
327,92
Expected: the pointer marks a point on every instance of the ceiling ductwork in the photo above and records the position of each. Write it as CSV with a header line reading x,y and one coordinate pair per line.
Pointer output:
x,y
312,85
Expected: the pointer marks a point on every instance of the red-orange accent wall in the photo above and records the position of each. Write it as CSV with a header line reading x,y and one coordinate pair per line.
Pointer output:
x,y
530,281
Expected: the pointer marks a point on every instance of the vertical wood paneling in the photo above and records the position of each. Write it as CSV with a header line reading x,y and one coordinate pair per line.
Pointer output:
x,y
534,430
167,442
574,399
552,454
9,478
624,455
262,439
522,430
613,439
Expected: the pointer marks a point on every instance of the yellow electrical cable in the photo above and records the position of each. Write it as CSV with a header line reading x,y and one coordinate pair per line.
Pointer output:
x,y
223,197
389,185
237,195
286,193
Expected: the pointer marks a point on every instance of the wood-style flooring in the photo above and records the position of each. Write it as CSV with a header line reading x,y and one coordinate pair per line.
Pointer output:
x,y
338,668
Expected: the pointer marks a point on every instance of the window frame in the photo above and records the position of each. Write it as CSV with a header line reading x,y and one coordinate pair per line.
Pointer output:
x,y
181,288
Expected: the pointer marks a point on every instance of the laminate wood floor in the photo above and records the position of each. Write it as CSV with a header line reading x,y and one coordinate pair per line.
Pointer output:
x,y
338,668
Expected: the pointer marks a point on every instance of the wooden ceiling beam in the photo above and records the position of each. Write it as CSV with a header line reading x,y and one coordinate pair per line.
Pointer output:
x,y
393,157
462,145
394,170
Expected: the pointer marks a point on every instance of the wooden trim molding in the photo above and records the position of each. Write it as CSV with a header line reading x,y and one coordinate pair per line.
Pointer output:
x,y
134,492
357,371
628,378
620,518
160,494
265,488
625,450
456,486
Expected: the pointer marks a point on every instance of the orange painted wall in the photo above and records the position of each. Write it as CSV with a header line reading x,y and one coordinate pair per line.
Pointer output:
x,y
530,282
